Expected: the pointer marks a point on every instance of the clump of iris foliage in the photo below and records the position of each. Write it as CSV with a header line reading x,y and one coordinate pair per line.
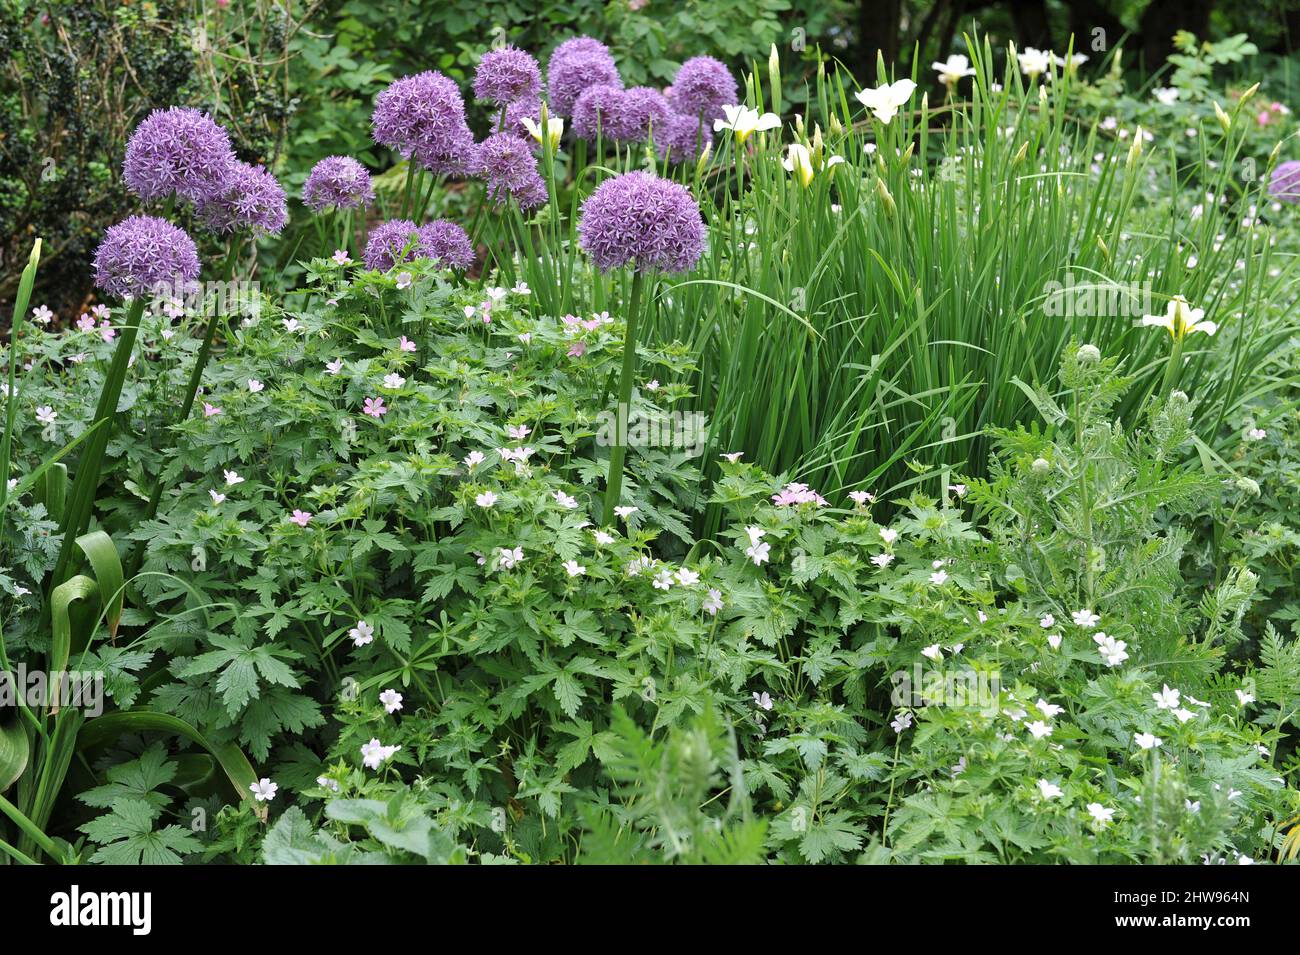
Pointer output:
x,y
951,569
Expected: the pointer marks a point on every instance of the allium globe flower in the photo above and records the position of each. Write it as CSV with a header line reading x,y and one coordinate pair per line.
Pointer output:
x,y
521,109
506,163
446,243
338,181
507,74
253,200
641,220
424,116
398,240
637,113
180,152
142,253
576,64
1284,184
594,111
683,138
702,87
387,242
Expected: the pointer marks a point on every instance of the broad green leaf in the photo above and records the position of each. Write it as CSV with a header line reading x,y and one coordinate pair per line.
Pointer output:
x,y
233,762
15,750
80,587
107,566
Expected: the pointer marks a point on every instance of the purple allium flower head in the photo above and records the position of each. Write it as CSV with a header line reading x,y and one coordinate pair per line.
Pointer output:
x,y
385,245
338,181
443,241
178,151
530,107
507,74
639,111
702,87
141,253
506,163
576,64
683,138
446,243
1284,184
641,220
253,200
595,110
424,116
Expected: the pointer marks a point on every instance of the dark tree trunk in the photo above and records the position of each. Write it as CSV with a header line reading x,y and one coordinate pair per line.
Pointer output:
x,y
878,28
1088,16
1162,19
1030,19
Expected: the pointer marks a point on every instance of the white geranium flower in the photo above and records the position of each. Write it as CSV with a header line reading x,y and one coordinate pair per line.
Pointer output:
x,y
374,754
264,790
362,634
1166,699
1085,618
1112,651
1101,815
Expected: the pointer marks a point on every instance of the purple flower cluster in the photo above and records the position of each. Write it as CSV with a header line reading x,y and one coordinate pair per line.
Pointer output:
x,y
446,243
683,138
338,181
506,163
1284,184
253,200
399,240
507,74
577,64
594,112
388,242
530,107
180,152
424,116
639,114
641,220
142,253
701,88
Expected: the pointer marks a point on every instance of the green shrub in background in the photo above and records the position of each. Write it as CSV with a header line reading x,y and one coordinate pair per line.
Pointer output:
x,y
78,75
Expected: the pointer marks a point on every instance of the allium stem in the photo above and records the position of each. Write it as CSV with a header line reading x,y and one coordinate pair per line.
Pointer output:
x,y
614,482
191,391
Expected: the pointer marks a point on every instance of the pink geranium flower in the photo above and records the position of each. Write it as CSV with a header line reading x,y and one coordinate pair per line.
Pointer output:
x,y
301,518
405,344
375,407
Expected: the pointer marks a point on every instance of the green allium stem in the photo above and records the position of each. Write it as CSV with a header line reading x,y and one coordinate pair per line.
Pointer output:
x,y
614,483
